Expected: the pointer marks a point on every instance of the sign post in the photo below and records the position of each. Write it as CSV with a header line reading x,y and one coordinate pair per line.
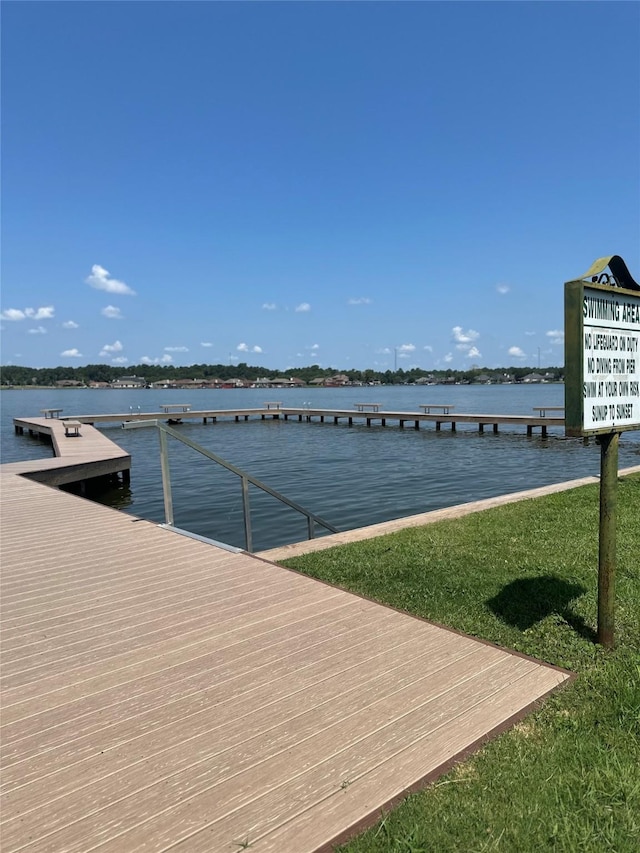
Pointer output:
x,y
602,393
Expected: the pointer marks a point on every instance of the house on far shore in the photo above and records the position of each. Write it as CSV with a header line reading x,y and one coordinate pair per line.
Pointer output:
x,y
278,382
534,377
69,383
337,380
235,383
130,382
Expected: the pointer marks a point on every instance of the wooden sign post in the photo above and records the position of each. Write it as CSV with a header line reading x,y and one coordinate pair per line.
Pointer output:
x,y
602,393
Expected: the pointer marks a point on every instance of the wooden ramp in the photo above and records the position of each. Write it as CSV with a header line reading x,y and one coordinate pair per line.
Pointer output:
x,y
160,693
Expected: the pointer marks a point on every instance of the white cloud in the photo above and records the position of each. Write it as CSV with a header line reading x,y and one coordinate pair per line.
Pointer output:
x,y
269,306
99,279
406,348
45,313
39,330
462,337
529,334
448,357
315,346
556,336
247,348
206,344
121,359
165,359
383,351
428,348
15,314
361,300
71,353
111,312
109,348
176,349
69,324
503,288
304,306
474,352
516,352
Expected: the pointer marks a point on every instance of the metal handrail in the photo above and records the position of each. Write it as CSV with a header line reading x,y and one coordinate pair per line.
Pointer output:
x,y
246,479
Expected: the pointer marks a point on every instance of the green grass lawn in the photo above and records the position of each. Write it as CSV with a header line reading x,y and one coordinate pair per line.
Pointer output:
x,y
525,577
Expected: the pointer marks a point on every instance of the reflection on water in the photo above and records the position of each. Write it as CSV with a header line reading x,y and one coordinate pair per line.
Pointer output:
x,y
351,476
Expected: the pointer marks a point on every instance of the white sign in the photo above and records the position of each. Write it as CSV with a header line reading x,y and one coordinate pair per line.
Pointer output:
x,y
611,353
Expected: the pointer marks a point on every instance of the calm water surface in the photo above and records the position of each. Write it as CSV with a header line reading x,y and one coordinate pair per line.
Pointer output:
x,y
351,476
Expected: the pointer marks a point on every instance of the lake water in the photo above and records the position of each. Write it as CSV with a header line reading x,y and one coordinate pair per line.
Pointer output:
x,y
350,476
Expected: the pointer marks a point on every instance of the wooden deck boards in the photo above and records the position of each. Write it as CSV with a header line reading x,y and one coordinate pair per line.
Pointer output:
x,y
159,693
76,457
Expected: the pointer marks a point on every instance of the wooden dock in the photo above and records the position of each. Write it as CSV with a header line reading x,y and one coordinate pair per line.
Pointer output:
x,y
77,458
356,415
160,693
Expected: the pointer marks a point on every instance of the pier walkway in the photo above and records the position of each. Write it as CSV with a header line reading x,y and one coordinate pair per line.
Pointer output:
x,y
77,458
159,692
357,414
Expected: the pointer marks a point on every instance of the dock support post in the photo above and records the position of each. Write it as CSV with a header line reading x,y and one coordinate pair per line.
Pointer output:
x,y
383,421
335,421
495,428
416,424
350,421
453,426
401,424
480,427
438,426
126,475
321,419
544,431
299,419
368,422
529,430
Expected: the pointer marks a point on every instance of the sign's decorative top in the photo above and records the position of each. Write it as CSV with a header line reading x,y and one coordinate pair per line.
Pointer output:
x,y
618,275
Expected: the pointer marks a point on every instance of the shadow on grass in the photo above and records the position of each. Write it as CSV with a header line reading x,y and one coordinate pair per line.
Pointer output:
x,y
525,601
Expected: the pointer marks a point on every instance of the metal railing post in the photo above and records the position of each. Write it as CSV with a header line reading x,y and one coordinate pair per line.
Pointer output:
x,y
247,515
166,477
311,528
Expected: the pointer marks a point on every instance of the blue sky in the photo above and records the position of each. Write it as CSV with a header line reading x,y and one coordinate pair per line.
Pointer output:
x,y
346,184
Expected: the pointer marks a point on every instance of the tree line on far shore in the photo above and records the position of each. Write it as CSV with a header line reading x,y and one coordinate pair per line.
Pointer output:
x,y
47,376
